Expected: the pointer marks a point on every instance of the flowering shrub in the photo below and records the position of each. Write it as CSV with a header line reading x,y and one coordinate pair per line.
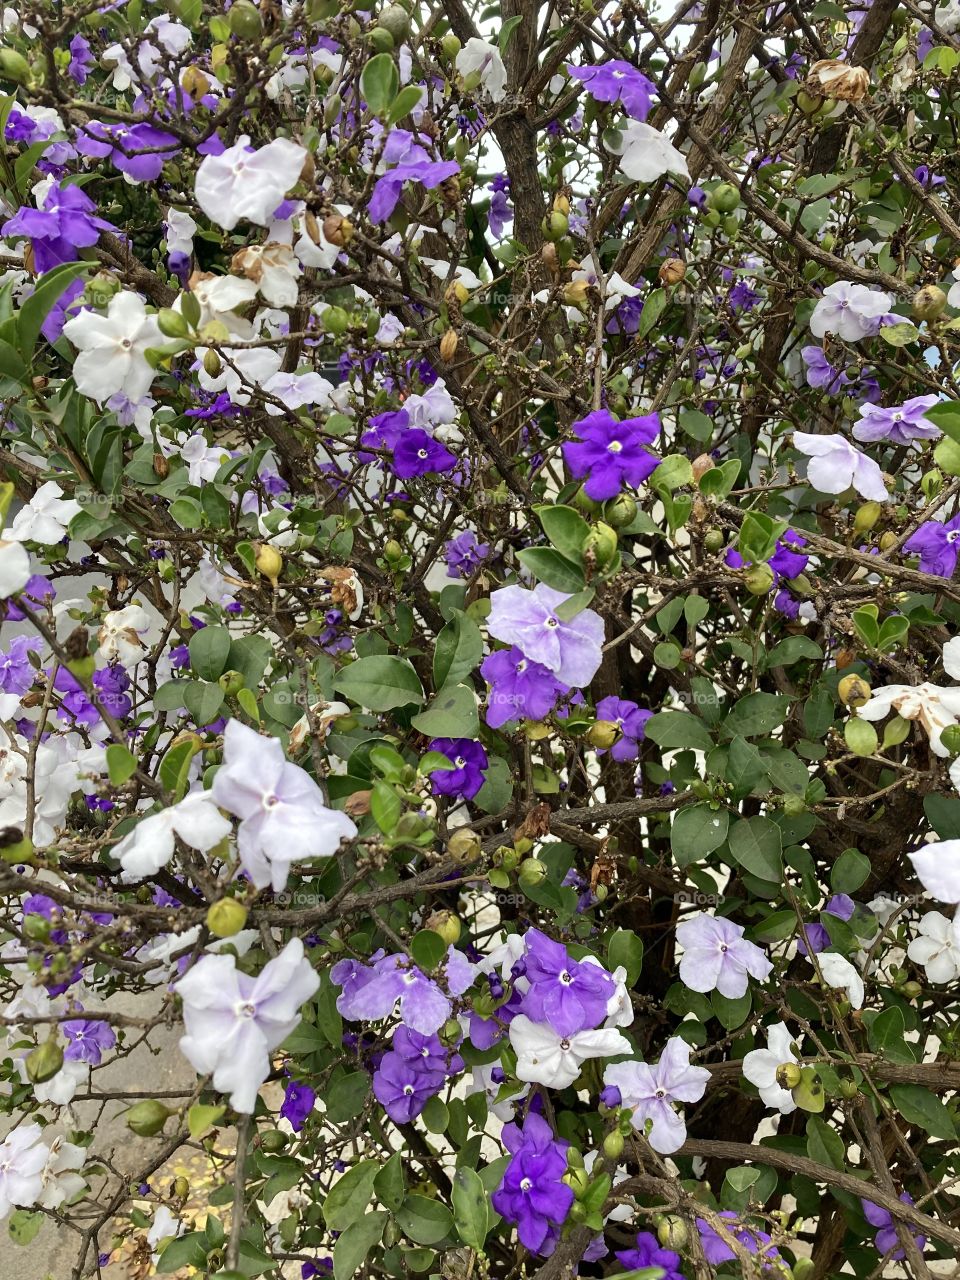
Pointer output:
x,y
480,658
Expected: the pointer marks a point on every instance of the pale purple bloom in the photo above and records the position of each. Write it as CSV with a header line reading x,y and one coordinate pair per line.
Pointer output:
x,y
370,992
835,465
465,554
899,425
571,649
852,311
234,1021
283,816
80,59
650,1092
88,1040
717,957
617,81
717,1250
820,373
140,151
429,173
17,672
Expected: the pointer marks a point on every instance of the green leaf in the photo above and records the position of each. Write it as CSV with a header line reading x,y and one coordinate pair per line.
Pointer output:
x,y
758,536
943,814
756,714
188,1251
121,764
625,949
745,767
921,1107
209,651
451,714
653,307
350,1195
386,807
423,1220
824,1144
507,30
849,872
352,1249
566,529
886,1035
674,472
574,605
388,1184
175,767
379,83
756,844
696,831
346,1098
24,1226
380,682
471,1212
550,567
458,651
203,701
404,103
676,730
793,649
898,335
202,1117
50,288
428,949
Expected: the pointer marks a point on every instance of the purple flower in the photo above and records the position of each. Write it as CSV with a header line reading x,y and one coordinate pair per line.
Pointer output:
x,y
570,648
469,761
630,719
298,1100
717,957
370,993
17,673
937,546
787,562
417,454
569,994
716,1248
465,554
35,594
820,373
64,223
87,1040
647,1253
617,81
80,59
386,192
612,454
887,1237
519,688
900,425
403,1088
532,1194
140,151
499,214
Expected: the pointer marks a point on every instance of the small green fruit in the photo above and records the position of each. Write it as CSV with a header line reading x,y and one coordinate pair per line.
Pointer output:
x,y
788,1075
245,21
226,917
929,302
725,197
602,734
44,1062
147,1118
613,1145
853,691
532,872
759,579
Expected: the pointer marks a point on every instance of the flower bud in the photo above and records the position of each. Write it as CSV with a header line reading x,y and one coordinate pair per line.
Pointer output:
x,y
393,552
808,103
14,66
147,1118
181,1187
44,1062
446,924
382,40
245,21
929,302
15,847
448,345
931,483
621,511
335,320
672,1232
848,1088
853,691
788,1075
577,1180
912,989
860,736
531,873
395,19
212,364
724,198
603,734
226,917
35,928
273,1141
888,541
269,562
613,1145
804,1269
171,323
601,543
450,46
701,465
950,739
457,294
758,579
672,271
868,513
231,682
714,541
555,226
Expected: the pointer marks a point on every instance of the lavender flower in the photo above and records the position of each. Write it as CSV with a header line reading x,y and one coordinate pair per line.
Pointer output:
x,y
938,546
519,688
820,373
887,1237
716,1248
617,81
571,649
630,719
465,554
569,994
64,223
370,992
717,957
901,425
648,1253
612,454
852,311
651,1091
88,1039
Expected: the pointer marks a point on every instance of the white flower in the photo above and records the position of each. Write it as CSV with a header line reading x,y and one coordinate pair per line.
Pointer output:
x,y
46,516
180,229
22,1158
112,349
273,268
295,390
646,155
937,947
114,56
938,866
760,1067
14,567
119,635
164,1227
233,1022
479,56
838,972
59,1089
836,465
203,460
60,1180
219,297
247,370
483,1082
246,184
935,706
545,1057
149,846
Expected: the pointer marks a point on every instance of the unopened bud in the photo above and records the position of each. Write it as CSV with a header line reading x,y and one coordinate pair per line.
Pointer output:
x,y
601,544
701,465
44,1062
868,513
672,1232
147,1118
724,198
450,45
931,483
171,323
448,345
929,302
714,541
555,226
602,734
395,19
269,562
14,66
161,467
444,923
853,691
181,1187
231,682
393,552
531,873
212,364
672,271
464,845
613,1145
335,320
245,21
621,511
226,917
759,579
889,541
458,293
950,739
